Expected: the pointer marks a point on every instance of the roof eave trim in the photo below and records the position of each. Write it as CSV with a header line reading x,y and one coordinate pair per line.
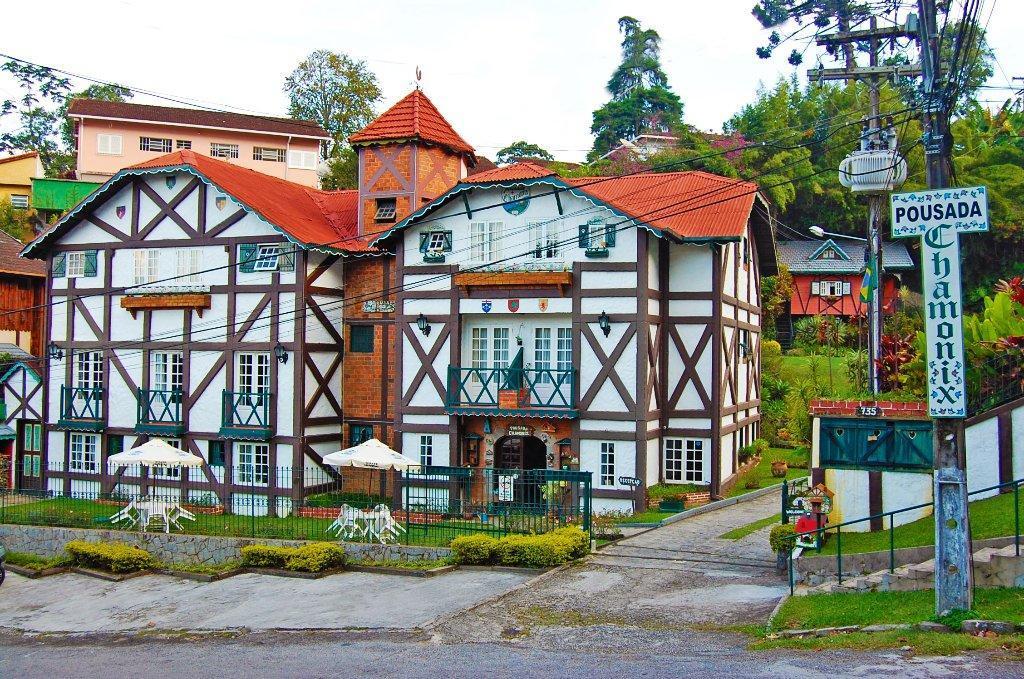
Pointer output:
x,y
325,136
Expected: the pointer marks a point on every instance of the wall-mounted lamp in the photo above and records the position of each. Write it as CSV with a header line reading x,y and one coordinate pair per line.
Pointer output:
x,y
280,354
473,449
424,325
55,352
605,323
565,456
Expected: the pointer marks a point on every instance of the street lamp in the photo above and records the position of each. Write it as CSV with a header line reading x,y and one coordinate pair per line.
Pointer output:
x,y
819,232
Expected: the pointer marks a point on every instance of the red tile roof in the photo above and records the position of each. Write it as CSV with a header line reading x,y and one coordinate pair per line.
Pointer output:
x,y
18,156
95,108
308,216
517,171
11,263
414,117
686,204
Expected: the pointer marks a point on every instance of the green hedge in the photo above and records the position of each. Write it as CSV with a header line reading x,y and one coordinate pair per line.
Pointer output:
x,y
528,551
780,537
312,558
115,557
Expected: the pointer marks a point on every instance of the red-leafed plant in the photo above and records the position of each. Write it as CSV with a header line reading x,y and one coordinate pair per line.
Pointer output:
x,y
1014,288
894,353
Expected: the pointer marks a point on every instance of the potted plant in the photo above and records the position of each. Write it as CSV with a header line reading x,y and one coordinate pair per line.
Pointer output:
x,y
779,469
781,541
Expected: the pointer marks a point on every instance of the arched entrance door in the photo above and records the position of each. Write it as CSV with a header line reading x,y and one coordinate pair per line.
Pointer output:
x,y
527,453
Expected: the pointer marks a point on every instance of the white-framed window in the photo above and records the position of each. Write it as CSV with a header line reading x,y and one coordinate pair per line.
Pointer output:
x,y
542,354
564,355
88,369
483,240
684,461
500,348
109,144
387,209
303,160
19,201
544,240
597,234
158,144
84,455
266,153
267,258
147,266
252,372
436,241
189,264
607,471
183,144
427,451
173,473
76,264
478,350
167,370
252,464
220,150
830,288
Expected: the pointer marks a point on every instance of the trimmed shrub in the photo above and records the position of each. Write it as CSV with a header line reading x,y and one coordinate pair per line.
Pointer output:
x,y
760,446
779,536
115,557
312,558
527,551
474,550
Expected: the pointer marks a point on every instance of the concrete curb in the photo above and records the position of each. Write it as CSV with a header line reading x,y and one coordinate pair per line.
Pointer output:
x,y
778,607
447,617
721,504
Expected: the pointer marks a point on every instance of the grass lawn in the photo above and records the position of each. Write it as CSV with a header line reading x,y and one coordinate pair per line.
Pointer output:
x,y
872,608
990,518
645,517
796,369
1005,647
762,473
752,527
78,513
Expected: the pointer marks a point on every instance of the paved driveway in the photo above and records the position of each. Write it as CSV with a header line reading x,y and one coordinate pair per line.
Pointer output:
x,y
71,602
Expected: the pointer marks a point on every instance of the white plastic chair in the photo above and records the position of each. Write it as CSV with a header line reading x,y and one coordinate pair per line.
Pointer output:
x,y
127,513
347,525
386,526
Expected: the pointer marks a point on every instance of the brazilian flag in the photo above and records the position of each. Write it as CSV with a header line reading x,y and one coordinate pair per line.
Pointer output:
x,y
870,281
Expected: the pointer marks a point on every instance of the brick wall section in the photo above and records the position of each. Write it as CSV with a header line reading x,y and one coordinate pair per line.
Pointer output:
x,y
368,397
916,410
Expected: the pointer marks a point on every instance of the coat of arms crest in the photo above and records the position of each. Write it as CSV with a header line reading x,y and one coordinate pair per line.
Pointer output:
x,y
486,306
171,181
513,305
542,304
120,211
220,202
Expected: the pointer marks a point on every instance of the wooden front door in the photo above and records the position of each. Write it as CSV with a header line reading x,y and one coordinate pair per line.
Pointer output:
x,y
30,451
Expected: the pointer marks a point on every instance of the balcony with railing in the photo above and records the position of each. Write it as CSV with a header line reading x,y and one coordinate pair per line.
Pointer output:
x,y
512,390
159,412
246,415
81,408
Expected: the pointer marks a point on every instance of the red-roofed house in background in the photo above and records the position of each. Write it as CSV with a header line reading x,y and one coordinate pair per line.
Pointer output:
x,y
22,294
111,135
609,325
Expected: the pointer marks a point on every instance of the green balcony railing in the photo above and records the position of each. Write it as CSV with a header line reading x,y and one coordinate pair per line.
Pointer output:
x,y
81,408
544,392
246,414
159,412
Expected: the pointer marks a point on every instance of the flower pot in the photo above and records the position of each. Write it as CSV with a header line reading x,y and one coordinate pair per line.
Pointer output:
x,y
779,469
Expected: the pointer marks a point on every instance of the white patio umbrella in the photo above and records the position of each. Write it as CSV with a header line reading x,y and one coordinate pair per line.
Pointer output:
x,y
370,454
156,453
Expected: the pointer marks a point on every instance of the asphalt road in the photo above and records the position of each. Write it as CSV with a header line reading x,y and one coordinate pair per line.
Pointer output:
x,y
311,655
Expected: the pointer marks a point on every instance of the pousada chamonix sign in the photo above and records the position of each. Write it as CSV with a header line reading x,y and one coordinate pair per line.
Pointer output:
x,y
938,217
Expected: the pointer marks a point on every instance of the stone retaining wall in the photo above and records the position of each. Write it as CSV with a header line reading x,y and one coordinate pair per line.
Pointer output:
x,y
192,549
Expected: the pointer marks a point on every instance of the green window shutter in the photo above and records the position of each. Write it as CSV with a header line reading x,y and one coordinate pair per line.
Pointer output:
x,y
447,241
609,234
60,261
246,257
584,236
90,263
216,453
424,238
286,260
115,445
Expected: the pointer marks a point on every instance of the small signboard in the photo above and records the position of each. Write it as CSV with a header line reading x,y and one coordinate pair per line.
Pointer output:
x,y
519,429
869,411
938,217
378,306
506,488
630,481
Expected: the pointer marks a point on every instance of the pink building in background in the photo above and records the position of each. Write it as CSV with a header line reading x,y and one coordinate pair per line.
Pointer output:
x,y
110,136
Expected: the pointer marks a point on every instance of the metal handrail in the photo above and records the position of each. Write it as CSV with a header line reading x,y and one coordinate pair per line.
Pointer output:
x,y
463,391
159,406
838,528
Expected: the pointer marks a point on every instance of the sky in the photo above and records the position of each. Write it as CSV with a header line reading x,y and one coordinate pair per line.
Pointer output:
x,y
499,71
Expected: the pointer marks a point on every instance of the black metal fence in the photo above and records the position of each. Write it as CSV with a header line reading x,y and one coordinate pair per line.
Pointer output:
x,y
427,506
995,381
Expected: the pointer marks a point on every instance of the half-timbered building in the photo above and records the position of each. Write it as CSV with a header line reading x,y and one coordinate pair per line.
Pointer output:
x,y
607,324
200,302
21,424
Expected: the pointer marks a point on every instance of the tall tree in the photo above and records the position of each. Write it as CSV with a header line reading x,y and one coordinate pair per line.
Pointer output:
x,y
36,114
521,149
642,101
339,93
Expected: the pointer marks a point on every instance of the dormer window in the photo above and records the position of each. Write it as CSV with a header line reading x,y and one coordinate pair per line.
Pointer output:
x,y
387,210
828,254
829,250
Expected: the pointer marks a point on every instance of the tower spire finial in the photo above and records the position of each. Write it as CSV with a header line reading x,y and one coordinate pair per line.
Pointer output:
x,y
419,76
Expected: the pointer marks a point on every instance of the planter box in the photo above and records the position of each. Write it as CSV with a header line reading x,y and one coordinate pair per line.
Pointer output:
x,y
384,570
193,300
109,577
33,573
282,573
505,279
672,505
200,577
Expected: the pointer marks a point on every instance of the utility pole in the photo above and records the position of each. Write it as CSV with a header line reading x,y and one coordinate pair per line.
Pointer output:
x,y
876,168
953,578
